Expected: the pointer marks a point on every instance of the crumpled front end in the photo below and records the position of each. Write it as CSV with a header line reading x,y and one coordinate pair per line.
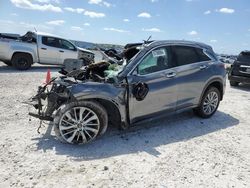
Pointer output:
x,y
49,98
87,56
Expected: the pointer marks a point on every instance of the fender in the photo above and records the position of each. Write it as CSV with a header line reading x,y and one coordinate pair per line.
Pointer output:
x,y
94,90
216,79
25,49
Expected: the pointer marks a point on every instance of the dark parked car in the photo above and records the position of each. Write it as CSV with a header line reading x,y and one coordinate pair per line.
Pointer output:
x,y
240,70
163,77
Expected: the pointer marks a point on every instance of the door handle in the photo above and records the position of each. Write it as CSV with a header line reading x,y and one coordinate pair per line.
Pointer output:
x,y
61,51
203,67
170,75
44,48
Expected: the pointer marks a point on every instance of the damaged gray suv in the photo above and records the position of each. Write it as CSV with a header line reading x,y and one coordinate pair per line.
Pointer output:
x,y
160,78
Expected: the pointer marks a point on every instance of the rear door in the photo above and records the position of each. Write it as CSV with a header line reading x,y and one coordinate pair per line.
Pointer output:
x,y
193,70
67,50
155,72
48,50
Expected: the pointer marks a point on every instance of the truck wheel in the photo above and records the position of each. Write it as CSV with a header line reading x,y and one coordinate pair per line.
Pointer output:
x,y
209,103
22,61
80,122
233,83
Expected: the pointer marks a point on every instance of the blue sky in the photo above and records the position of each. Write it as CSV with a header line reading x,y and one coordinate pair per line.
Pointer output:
x,y
224,24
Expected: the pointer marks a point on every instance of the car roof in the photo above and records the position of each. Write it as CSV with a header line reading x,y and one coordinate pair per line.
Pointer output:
x,y
149,46
48,34
180,42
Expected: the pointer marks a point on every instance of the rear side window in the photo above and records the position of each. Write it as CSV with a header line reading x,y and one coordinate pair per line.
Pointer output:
x,y
244,56
50,41
185,55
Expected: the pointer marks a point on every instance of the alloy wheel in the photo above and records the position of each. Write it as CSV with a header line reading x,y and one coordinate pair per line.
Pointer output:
x,y
79,125
210,103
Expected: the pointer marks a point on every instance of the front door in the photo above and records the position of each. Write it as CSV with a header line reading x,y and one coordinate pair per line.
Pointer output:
x,y
155,76
48,51
67,51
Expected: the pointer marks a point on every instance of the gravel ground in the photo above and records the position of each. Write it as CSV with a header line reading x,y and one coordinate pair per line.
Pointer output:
x,y
178,151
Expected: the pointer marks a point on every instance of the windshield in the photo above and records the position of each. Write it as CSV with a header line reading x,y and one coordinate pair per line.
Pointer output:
x,y
126,62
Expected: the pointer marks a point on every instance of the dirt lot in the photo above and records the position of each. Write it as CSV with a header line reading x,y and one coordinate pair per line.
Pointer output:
x,y
179,151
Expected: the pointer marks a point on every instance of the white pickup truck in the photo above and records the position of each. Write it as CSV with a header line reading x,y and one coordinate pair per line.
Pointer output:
x,y
23,51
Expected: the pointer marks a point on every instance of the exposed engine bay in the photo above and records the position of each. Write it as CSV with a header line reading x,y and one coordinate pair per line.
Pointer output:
x,y
57,91
98,72
106,70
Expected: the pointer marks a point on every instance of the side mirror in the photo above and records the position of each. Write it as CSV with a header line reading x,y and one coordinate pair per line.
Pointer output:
x,y
140,91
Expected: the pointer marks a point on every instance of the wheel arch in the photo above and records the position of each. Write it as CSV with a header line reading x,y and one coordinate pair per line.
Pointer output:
x,y
112,109
217,83
27,53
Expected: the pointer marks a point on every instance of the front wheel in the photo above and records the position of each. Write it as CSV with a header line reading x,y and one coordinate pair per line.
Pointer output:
x,y
80,122
209,103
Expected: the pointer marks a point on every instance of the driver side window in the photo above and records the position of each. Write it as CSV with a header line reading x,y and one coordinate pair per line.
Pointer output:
x,y
157,60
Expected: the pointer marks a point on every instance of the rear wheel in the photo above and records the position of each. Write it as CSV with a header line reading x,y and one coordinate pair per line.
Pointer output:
x,y
22,61
209,103
80,122
233,83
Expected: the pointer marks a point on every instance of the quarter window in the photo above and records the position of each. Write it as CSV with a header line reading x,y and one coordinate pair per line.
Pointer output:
x,y
155,61
202,55
212,54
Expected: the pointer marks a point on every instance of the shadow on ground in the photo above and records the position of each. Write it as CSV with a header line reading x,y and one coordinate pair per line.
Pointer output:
x,y
242,87
146,137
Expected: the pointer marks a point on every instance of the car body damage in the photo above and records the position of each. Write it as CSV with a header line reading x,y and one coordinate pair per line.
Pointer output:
x,y
154,79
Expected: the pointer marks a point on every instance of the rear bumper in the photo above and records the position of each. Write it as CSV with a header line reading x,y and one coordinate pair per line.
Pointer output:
x,y
241,79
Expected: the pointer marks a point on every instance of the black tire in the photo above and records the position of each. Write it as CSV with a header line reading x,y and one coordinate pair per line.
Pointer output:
x,y
97,108
22,61
233,83
200,109
8,63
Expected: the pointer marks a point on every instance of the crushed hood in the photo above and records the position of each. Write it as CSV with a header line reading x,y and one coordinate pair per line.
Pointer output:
x,y
85,50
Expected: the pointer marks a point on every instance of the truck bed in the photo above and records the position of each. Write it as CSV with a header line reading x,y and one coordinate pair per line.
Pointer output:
x,y
10,36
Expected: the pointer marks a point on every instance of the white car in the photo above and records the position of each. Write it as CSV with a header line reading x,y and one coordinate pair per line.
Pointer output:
x,y
23,51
